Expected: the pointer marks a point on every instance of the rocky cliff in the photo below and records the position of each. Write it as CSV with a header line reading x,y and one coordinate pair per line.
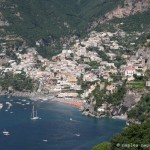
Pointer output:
x,y
130,7
130,99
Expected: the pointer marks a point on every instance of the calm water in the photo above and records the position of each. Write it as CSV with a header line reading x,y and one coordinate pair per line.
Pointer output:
x,y
54,126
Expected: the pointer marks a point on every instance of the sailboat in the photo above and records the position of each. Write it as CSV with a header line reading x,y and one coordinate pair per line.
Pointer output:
x,y
34,114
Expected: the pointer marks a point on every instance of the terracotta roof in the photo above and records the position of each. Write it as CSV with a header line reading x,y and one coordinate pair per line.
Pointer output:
x,y
130,68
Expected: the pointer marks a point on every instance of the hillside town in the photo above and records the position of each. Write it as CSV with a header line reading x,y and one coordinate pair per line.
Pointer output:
x,y
62,72
90,60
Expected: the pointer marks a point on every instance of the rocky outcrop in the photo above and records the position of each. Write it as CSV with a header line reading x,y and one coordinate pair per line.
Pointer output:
x,y
130,7
132,121
88,110
131,98
117,112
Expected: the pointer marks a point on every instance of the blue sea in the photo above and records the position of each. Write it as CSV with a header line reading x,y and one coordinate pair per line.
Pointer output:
x,y
61,127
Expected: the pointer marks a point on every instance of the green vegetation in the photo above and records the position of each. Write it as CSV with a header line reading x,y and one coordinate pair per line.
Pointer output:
x,y
138,85
102,96
38,18
100,53
138,22
116,97
116,77
93,64
119,61
141,111
47,52
147,74
135,137
99,95
102,146
85,85
53,20
11,54
91,10
18,82
135,134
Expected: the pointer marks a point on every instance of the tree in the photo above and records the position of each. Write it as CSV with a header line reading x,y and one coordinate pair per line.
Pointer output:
x,y
102,146
134,134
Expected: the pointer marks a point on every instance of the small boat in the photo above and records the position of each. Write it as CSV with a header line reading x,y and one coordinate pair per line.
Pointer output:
x,y
70,119
34,114
77,134
44,99
18,103
6,132
45,140
1,105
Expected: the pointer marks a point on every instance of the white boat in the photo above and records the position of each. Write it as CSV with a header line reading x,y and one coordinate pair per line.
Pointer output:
x,y
1,105
34,114
45,140
6,132
70,119
77,134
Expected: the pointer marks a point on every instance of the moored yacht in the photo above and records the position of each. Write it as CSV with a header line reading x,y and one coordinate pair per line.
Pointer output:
x,y
6,132
34,114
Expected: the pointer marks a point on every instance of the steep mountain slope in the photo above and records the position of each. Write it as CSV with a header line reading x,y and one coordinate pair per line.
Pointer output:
x,y
41,18
56,21
130,7
126,9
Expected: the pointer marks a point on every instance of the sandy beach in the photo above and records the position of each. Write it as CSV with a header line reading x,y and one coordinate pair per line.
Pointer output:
x,y
77,104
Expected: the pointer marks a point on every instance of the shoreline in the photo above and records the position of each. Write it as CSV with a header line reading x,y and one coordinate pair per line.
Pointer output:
x,y
73,102
77,103
123,117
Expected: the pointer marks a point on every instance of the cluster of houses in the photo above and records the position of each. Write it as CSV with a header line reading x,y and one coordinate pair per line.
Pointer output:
x,y
135,66
62,72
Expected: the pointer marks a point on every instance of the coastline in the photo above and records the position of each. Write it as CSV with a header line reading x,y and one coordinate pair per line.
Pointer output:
x,y
123,117
73,102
